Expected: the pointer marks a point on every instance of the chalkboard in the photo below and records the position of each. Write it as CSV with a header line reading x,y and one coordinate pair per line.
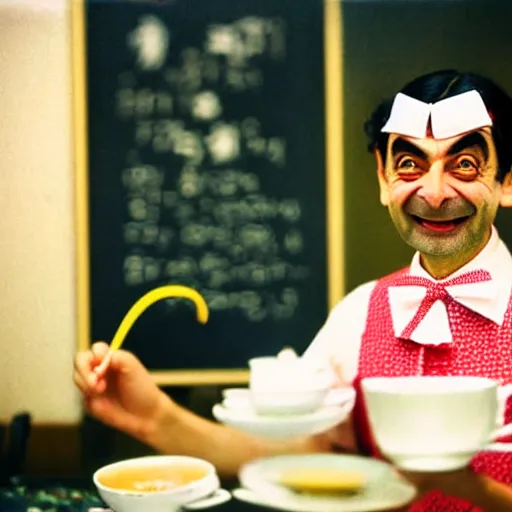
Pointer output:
x,y
204,164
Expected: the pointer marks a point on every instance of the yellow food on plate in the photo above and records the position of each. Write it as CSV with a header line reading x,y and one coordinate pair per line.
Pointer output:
x,y
322,480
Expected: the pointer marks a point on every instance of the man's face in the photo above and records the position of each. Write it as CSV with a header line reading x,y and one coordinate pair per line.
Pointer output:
x,y
442,194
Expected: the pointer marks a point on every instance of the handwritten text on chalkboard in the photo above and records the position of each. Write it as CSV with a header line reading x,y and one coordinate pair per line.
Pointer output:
x,y
196,208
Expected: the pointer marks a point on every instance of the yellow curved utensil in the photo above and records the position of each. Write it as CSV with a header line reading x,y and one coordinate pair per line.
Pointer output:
x,y
163,292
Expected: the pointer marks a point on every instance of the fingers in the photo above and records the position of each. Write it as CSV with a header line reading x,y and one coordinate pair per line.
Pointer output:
x,y
92,366
85,363
88,383
87,360
124,362
102,368
119,360
100,350
80,382
337,369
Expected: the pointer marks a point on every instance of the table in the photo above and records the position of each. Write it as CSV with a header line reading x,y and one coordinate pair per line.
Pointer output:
x,y
48,495
72,495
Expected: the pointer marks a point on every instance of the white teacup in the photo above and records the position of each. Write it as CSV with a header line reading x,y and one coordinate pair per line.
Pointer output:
x,y
433,423
287,386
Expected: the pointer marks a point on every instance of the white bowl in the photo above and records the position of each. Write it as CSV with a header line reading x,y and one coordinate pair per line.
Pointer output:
x,y
166,500
302,401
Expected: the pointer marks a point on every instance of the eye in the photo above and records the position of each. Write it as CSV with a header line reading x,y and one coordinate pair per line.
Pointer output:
x,y
408,169
466,163
406,163
466,168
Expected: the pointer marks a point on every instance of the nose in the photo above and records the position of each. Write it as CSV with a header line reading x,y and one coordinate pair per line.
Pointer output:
x,y
434,187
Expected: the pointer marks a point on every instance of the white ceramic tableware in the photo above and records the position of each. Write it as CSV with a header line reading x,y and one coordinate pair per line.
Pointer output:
x,y
288,402
340,396
282,427
287,385
202,493
237,398
433,423
285,374
383,490
240,399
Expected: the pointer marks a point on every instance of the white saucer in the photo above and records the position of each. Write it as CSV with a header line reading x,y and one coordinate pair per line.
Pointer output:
x,y
384,489
339,396
280,427
441,462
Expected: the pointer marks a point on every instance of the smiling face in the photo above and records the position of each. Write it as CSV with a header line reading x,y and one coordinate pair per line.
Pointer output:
x,y
442,195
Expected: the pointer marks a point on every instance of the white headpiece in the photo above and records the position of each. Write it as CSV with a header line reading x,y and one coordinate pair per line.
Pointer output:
x,y
449,117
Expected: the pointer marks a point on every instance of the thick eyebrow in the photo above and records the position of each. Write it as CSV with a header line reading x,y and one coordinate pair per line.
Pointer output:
x,y
404,146
474,139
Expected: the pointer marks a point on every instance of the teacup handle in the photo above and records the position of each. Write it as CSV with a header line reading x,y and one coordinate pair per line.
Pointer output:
x,y
219,497
504,431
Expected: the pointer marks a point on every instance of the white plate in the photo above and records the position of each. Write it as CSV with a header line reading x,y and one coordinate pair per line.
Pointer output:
x,y
384,489
340,396
281,427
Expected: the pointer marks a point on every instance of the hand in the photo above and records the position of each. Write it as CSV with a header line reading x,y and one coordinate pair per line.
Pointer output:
x,y
338,374
341,438
122,394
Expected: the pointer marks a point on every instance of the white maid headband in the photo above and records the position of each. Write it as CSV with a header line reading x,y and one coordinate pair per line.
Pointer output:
x,y
449,117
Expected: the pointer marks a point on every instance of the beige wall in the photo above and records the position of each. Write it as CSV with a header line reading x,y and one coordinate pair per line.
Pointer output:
x,y
37,300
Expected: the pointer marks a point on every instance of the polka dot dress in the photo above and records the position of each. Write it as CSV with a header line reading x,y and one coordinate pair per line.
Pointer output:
x,y
479,348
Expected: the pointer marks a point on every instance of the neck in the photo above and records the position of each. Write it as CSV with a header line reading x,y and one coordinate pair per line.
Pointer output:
x,y
440,267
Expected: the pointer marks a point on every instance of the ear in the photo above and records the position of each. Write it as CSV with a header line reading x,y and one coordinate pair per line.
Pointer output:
x,y
381,176
506,191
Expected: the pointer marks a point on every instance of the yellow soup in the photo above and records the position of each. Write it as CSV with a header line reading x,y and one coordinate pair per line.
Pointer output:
x,y
151,478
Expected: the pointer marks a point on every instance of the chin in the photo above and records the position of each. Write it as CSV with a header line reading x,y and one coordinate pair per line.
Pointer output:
x,y
436,248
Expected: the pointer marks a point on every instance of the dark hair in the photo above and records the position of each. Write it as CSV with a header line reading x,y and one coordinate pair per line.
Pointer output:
x,y
436,86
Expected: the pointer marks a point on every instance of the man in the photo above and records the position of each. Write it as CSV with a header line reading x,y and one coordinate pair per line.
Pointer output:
x,y
443,148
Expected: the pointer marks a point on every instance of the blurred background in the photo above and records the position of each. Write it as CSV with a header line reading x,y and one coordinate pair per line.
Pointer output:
x,y
270,91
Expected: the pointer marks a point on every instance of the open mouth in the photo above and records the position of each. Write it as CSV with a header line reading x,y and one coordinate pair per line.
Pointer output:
x,y
440,226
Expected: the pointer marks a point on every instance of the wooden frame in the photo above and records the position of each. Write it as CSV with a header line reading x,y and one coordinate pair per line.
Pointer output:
x,y
335,220
334,187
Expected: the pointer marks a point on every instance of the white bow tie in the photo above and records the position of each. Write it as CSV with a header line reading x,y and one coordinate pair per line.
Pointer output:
x,y
418,304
